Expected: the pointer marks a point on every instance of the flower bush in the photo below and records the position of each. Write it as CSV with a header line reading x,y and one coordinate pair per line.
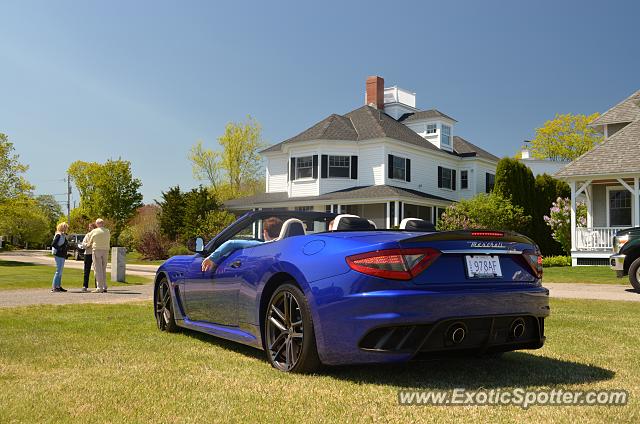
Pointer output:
x,y
485,211
559,219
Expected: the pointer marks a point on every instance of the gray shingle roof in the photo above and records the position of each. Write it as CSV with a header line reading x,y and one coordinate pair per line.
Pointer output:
x,y
464,148
627,110
361,192
619,153
367,123
423,114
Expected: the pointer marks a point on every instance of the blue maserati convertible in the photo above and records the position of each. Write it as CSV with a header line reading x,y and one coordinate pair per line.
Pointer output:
x,y
314,288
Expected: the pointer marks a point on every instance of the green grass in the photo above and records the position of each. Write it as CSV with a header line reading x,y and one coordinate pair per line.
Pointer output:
x,y
108,363
134,258
22,275
582,274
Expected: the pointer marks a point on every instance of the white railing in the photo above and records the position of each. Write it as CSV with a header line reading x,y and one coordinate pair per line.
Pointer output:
x,y
595,238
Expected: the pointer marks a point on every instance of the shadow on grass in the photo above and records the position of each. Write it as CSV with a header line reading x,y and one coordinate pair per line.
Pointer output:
x,y
514,369
10,264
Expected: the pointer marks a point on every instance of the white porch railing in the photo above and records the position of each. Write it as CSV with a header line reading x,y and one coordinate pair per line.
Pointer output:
x,y
595,238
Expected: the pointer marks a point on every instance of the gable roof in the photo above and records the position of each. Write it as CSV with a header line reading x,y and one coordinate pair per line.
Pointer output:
x,y
627,110
620,152
367,123
423,114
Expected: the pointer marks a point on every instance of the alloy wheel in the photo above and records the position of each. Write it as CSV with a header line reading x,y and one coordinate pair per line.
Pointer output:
x,y
285,332
163,305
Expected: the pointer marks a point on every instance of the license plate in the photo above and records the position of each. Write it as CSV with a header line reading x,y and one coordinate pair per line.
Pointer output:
x,y
483,266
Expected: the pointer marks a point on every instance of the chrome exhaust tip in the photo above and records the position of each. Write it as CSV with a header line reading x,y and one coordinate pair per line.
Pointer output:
x,y
457,333
517,328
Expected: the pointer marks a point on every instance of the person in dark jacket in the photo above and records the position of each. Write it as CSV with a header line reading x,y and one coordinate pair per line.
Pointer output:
x,y
88,261
59,249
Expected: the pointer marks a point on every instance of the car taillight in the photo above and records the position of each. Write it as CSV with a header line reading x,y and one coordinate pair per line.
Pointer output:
x,y
534,259
487,234
394,264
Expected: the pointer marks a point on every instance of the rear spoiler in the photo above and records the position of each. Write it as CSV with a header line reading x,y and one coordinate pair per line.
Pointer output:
x,y
484,235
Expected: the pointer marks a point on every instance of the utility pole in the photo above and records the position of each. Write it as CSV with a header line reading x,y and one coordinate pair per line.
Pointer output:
x,y
68,199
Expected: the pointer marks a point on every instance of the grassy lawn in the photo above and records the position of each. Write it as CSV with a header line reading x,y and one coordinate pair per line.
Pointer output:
x,y
21,275
135,258
108,363
582,274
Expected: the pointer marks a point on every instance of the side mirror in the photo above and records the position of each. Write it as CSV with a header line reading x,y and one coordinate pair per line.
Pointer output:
x,y
199,245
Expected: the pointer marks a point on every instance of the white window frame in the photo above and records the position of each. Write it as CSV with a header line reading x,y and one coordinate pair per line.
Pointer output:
x,y
468,187
444,134
404,160
310,167
450,187
348,166
432,130
618,188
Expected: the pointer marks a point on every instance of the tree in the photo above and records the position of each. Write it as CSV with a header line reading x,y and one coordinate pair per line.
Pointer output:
x,y
12,181
197,203
559,220
51,209
484,211
107,190
514,181
565,137
171,214
235,171
548,189
23,221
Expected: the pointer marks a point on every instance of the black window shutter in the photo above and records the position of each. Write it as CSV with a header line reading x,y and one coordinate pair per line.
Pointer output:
x,y
315,167
292,172
439,177
324,163
354,167
453,179
408,170
390,173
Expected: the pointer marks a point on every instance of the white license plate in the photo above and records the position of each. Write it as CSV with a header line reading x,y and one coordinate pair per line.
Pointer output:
x,y
483,266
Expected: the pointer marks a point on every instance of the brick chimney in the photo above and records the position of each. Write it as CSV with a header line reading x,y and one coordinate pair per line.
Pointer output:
x,y
375,92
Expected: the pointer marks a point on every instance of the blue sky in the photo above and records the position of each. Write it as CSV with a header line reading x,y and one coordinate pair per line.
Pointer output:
x,y
144,80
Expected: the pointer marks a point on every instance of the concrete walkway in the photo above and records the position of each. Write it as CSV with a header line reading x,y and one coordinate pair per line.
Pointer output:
x,y
120,294
593,291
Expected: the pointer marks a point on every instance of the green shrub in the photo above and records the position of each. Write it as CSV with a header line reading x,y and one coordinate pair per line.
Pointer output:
x,y
178,249
551,261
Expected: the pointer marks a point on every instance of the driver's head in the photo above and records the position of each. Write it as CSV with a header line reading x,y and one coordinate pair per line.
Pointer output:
x,y
271,228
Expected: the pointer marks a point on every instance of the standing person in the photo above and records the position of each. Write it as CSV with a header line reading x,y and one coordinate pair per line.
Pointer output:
x,y
59,248
99,241
88,258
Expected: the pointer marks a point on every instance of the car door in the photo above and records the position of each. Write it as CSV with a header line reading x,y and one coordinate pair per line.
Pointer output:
x,y
212,296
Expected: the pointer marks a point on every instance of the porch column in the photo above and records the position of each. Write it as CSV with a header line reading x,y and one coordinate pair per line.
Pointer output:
x,y
636,201
589,193
388,215
573,215
396,214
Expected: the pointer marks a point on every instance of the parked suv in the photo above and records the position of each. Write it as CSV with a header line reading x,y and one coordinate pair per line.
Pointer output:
x,y
74,250
626,257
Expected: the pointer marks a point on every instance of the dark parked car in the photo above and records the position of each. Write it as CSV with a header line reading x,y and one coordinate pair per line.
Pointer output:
x,y
626,257
74,250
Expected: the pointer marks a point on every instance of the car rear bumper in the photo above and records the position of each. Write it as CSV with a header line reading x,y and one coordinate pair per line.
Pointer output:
x,y
398,325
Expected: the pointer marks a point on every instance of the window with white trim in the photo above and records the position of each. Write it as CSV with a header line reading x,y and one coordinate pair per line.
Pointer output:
x,y
620,208
339,166
304,167
446,135
464,179
399,168
431,128
447,178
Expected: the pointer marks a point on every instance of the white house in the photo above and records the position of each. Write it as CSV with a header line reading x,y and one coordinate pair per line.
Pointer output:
x,y
385,161
608,178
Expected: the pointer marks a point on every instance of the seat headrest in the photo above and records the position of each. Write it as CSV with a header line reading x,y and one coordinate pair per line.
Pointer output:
x,y
292,227
416,224
347,222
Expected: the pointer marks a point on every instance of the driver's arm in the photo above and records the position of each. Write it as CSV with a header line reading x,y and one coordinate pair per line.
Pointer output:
x,y
226,248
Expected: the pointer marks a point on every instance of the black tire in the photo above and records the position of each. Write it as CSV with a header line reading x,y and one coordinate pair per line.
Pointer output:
x,y
634,274
163,307
290,342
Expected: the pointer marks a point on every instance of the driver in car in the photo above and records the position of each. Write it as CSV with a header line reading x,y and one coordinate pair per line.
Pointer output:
x,y
270,232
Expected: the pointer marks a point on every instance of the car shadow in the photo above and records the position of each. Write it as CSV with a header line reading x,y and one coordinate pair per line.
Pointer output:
x,y
513,369
632,291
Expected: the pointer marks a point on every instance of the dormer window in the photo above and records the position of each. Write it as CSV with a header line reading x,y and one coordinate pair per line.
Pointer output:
x,y
431,128
446,135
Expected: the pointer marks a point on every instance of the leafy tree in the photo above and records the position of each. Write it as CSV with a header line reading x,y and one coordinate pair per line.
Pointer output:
x,y
12,181
171,214
50,207
565,137
484,211
107,190
197,203
23,221
514,181
214,222
548,189
235,171
559,220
